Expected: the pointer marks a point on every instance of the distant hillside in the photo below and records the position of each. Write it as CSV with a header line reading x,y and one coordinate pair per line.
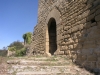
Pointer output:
x,y
3,52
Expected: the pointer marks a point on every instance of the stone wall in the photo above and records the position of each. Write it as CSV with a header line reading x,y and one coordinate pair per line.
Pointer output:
x,y
77,30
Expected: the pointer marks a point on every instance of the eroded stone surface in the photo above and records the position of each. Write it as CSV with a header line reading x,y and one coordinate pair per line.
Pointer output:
x,y
77,30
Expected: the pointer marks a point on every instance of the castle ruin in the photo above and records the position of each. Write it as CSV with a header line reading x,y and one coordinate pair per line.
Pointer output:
x,y
69,27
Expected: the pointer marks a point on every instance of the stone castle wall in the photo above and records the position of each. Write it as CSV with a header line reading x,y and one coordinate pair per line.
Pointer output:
x,y
77,30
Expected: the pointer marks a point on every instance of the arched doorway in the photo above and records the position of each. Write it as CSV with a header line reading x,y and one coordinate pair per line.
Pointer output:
x,y
53,16
52,36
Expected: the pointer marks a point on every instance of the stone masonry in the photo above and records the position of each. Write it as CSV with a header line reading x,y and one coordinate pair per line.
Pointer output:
x,y
69,27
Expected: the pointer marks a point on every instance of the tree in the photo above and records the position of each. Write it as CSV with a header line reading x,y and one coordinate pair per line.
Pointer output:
x,y
24,37
16,44
27,37
4,48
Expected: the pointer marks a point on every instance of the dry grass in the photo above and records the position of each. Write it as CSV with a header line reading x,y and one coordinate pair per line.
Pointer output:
x,y
3,66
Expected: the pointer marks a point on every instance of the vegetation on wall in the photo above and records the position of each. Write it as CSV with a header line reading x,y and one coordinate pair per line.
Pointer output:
x,y
27,37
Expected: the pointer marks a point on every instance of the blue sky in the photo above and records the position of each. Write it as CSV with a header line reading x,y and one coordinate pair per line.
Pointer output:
x,y
16,18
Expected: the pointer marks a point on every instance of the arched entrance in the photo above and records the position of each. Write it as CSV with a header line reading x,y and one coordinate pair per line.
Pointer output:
x,y
52,21
52,36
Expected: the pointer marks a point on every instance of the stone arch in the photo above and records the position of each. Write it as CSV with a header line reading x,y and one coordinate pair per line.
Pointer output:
x,y
54,15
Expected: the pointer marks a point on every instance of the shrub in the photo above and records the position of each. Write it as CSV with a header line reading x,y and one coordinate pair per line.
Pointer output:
x,y
21,52
18,48
12,48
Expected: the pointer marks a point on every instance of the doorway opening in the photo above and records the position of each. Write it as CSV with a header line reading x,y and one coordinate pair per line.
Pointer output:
x,y
52,36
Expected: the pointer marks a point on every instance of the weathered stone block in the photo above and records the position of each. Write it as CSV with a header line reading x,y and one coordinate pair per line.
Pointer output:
x,y
71,47
97,18
76,40
89,46
75,45
92,58
87,51
98,12
83,58
70,40
98,65
90,1
66,36
93,65
67,52
79,52
81,26
90,17
79,46
96,3
83,21
97,50
61,52
74,29
85,14
88,25
94,24
98,24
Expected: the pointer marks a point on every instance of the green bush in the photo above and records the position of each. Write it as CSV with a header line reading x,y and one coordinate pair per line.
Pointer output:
x,y
12,48
21,52
18,48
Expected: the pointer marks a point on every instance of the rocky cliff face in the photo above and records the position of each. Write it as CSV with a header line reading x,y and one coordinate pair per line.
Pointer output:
x,y
75,25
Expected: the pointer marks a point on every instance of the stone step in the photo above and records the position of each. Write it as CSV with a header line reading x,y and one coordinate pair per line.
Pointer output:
x,y
44,66
48,69
42,73
68,72
41,68
38,58
43,63
43,59
32,62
